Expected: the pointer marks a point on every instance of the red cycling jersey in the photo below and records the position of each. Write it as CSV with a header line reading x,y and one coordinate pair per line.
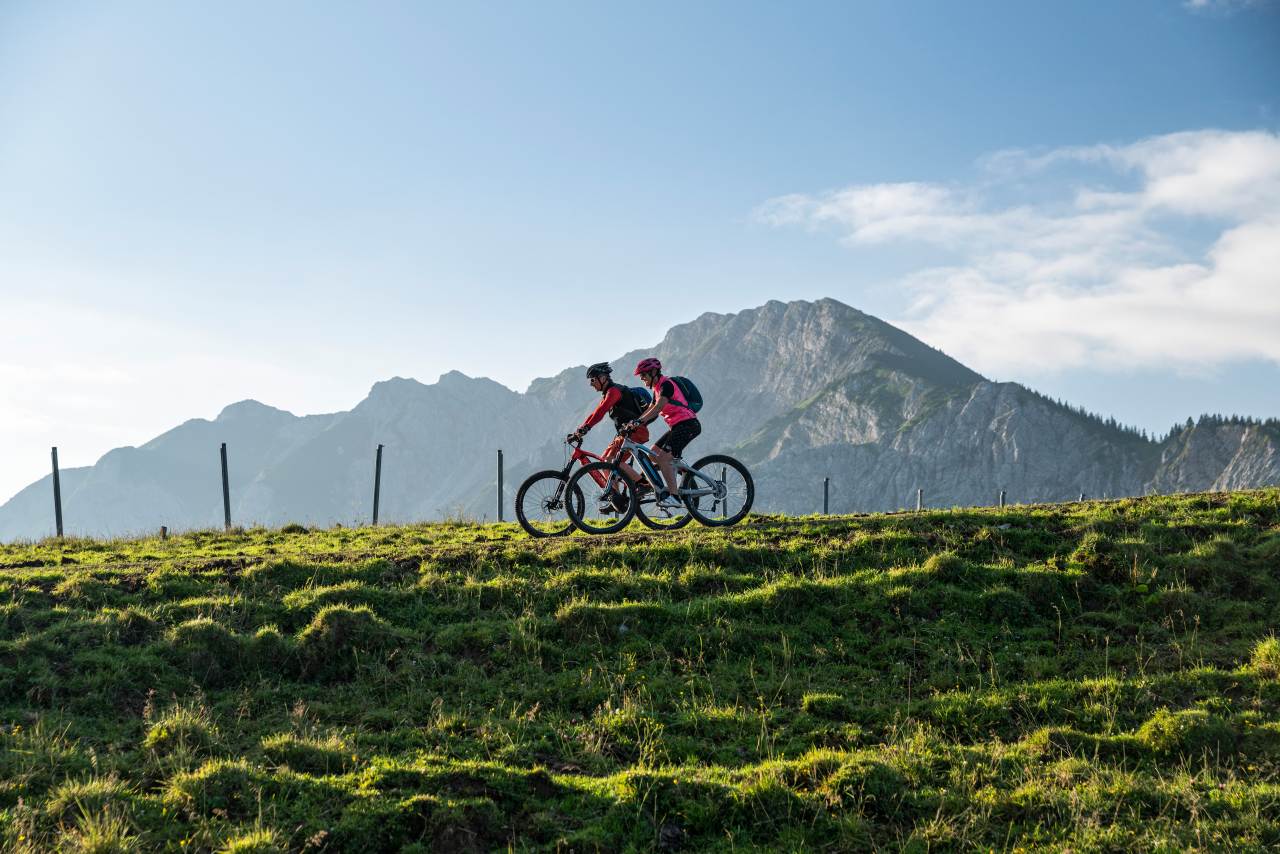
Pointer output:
x,y
608,402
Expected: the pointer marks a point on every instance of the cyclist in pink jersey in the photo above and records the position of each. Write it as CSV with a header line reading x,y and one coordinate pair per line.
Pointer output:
x,y
682,423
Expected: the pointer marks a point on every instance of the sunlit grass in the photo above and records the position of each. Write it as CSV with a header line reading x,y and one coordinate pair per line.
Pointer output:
x,y
1087,676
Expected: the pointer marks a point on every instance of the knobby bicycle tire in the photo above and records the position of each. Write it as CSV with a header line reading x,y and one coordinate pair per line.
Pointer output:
x,y
701,507
581,482
522,495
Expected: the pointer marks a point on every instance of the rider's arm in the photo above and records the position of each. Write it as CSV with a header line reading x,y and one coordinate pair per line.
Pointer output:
x,y
651,414
610,400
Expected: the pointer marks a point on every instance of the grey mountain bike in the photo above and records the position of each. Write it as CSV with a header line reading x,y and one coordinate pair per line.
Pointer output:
x,y
716,490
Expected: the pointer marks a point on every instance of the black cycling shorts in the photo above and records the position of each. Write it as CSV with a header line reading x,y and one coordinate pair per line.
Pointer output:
x,y
674,440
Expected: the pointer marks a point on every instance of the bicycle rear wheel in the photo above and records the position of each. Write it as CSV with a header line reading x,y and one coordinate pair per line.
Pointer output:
x,y
733,491
607,504
542,504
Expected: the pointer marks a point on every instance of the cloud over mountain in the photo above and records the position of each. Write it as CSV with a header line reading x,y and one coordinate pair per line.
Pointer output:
x,y
1159,252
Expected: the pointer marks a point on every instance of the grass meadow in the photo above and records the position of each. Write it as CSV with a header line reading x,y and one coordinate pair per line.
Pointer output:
x,y
1102,676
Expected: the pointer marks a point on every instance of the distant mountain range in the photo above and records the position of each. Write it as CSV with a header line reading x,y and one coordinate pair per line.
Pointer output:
x,y
799,391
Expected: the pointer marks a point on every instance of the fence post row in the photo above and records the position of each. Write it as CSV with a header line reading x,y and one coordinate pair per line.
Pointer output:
x,y
57,494
377,491
226,491
499,485
377,482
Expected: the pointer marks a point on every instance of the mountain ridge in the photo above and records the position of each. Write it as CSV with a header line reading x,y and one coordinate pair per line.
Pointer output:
x,y
800,390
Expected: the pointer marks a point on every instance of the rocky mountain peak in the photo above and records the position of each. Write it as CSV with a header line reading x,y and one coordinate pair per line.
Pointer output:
x,y
247,410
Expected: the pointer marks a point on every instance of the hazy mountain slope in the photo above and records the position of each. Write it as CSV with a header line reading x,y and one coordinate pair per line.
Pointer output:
x,y
800,391
29,514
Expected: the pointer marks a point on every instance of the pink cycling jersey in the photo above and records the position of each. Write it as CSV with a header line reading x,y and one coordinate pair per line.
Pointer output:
x,y
677,409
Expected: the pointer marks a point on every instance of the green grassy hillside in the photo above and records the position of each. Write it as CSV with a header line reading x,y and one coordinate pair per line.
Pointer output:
x,y
1103,676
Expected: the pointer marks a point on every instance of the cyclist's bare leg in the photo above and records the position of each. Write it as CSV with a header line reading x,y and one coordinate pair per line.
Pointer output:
x,y
665,465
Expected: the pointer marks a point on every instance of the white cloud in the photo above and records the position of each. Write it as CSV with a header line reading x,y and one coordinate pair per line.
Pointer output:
x,y
1225,7
1103,274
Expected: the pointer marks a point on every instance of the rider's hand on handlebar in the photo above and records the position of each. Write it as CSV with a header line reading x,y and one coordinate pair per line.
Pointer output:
x,y
575,436
631,426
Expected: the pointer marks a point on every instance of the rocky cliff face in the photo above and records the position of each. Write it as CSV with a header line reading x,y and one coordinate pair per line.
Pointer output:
x,y
800,391
1219,455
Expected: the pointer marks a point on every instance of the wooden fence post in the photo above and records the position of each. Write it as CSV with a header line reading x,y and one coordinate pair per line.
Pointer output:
x,y
57,494
499,485
826,496
377,482
226,491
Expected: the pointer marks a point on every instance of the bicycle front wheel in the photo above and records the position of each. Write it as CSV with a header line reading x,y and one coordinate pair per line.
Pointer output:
x,y
719,491
608,500
542,504
660,518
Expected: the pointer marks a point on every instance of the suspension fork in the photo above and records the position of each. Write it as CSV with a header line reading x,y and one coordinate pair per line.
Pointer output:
x,y
578,456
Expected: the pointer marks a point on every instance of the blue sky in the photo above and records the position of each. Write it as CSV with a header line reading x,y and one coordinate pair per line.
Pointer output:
x,y
291,201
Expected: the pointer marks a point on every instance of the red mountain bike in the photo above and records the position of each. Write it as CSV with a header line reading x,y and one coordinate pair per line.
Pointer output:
x,y
542,500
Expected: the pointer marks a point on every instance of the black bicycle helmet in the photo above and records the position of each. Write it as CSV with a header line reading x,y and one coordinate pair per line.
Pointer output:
x,y
599,369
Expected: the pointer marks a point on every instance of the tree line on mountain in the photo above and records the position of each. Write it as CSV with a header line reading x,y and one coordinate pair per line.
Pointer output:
x,y
1208,420
1220,420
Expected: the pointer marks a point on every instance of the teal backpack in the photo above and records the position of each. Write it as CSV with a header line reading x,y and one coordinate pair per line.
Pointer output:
x,y
690,392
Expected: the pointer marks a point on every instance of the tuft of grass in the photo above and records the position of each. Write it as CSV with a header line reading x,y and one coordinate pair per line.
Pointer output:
x,y
223,787
101,832
260,840
184,730
207,650
340,637
1266,657
93,796
1190,733
829,706
310,755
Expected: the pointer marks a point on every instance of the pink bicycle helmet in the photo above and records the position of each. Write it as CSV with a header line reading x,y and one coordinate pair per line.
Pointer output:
x,y
647,365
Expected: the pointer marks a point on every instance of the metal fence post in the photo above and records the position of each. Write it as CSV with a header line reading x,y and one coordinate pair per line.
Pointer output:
x,y
377,482
826,496
499,485
1082,496
919,499
1002,498
226,491
57,494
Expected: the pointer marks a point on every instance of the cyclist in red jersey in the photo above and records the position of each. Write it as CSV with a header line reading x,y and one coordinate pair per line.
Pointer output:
x,y
669,402
619,404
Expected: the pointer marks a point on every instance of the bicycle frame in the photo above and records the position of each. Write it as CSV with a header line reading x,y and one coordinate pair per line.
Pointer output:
x,y
643,456
583,457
